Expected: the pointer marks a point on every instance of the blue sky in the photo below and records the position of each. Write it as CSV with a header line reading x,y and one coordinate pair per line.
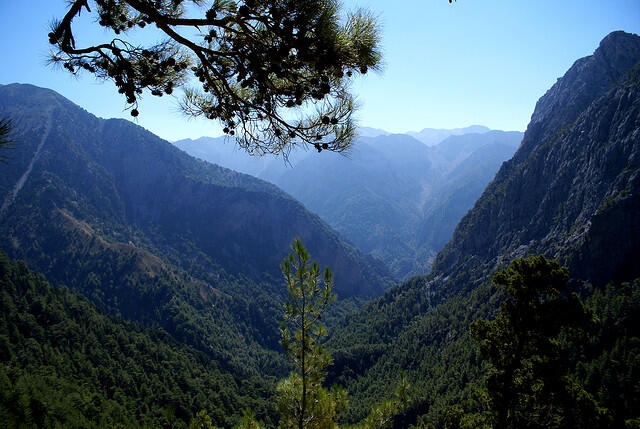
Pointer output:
x,y
446,65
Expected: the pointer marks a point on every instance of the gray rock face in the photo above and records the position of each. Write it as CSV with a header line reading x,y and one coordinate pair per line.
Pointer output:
x,y
571,190
589,78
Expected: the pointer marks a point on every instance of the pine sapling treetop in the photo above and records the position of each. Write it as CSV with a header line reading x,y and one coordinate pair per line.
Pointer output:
x,y
303,401
276,73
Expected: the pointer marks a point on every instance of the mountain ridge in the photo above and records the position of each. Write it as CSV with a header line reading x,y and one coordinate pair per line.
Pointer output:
x,y
116,164
148,233
567,133
434,136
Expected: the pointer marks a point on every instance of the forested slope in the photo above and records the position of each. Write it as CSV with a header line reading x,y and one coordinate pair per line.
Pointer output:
x,y
65,363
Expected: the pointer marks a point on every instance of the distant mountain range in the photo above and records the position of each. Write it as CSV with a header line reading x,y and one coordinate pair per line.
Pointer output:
x,y
391,195
433,136
371,132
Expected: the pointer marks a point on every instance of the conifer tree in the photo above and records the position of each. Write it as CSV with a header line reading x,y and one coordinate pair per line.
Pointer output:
x,y
275,73
303,401
528,384
201,421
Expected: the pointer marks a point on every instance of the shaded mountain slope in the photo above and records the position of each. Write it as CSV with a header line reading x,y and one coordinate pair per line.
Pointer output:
x,y
151,234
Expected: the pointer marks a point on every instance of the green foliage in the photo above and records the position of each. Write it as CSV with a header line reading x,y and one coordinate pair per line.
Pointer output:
x,y
201,421
256,60
302,400
454,417
409,329
528,383
63,363
389,412
307,301
608,366
248,421
313,407
432,346
5,137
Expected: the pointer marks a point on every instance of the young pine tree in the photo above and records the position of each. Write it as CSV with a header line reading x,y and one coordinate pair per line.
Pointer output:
x,y
303,402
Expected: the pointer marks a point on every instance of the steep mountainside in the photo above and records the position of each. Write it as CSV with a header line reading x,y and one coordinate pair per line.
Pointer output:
x,y
571,192
391,195
151,234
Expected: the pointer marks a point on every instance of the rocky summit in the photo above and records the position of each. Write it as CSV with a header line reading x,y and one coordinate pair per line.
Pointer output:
x,y
576,170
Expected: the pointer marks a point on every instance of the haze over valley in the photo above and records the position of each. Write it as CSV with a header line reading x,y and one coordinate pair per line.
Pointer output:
x,y
393,196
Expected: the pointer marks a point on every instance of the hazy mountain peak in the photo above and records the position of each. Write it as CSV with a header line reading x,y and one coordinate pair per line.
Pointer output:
x,y
371,132
433,136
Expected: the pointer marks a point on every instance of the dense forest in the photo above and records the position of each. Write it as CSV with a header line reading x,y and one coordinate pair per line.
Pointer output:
x,y
449,378
66,364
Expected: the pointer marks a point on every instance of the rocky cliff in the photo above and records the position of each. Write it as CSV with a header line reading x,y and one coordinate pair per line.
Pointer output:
x,y
571,190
